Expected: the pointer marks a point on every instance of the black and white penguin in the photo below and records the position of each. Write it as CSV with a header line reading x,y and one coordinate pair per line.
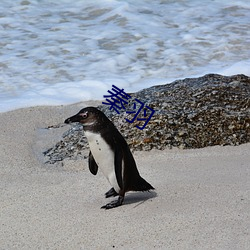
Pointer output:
x,y
110,152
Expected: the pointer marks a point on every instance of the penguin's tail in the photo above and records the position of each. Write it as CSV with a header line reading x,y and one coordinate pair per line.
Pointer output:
x,y
141,185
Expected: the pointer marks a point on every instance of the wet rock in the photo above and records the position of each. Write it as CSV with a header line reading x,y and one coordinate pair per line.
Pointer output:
x,y
190,113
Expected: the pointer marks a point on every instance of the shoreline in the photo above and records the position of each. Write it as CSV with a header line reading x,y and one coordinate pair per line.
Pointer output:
x,y
201,197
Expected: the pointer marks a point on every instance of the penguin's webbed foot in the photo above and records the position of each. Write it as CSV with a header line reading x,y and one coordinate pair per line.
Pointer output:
x,y
111,193
113,204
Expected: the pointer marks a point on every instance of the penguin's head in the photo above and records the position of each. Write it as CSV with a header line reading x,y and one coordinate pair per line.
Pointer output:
x,y
88,117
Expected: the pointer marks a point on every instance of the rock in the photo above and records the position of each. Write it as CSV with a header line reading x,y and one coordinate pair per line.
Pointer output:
x,y
190,113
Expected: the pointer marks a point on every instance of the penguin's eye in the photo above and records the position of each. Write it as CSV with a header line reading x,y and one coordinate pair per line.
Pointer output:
x,y
84,115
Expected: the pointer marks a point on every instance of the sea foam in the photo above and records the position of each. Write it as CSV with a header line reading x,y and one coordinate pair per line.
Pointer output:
x,y
63,52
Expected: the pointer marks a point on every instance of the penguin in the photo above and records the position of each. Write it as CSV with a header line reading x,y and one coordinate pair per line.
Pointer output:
x,y
110,152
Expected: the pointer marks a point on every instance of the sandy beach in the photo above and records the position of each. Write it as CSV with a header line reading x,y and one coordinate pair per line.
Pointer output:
x,y
201,198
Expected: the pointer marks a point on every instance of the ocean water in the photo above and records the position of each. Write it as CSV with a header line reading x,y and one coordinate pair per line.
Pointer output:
x,y
61,52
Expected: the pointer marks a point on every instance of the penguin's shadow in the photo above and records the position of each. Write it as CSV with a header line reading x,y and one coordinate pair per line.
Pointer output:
x,y
137,198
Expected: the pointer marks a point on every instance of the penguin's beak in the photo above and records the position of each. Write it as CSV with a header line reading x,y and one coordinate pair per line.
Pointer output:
x,y
74,118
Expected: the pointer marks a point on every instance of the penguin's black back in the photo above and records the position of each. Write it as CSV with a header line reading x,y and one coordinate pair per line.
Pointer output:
x,y
132,180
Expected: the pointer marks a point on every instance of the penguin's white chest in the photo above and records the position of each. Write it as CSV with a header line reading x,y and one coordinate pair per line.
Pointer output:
x,y
104,157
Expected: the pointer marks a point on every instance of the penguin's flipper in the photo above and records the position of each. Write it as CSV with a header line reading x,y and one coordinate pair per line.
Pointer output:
x,y
118,166
93,167
111,193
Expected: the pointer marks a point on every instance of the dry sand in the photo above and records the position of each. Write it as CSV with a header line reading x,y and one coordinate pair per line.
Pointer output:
x,y
201,201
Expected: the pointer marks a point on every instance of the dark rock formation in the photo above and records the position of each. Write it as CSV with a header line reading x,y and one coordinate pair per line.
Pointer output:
x,y
190,113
